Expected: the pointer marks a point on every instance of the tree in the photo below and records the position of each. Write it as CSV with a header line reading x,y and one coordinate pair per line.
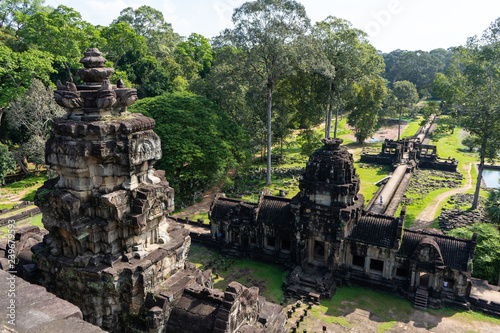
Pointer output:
x,y
487,253
34,113
149,22
17,71
470,142
472,83
13,11
418,67
405,94
493,206
265,32
195,56
7,163
353,58
365,106
62,33
199,141
120,39
309,141
151,77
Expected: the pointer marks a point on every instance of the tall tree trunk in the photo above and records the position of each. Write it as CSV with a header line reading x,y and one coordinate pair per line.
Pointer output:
x,y
479,177
269,103
23,164
69,71
329,121
281,150
263,148
399,124
336,122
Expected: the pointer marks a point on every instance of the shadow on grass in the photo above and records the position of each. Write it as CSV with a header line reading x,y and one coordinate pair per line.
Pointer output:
x,y
268,278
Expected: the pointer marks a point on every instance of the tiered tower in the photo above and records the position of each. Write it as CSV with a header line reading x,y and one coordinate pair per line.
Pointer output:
x,y
327,204
109,240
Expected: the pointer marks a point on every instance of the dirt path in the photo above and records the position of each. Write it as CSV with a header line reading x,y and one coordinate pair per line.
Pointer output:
x,y
203,206
425,218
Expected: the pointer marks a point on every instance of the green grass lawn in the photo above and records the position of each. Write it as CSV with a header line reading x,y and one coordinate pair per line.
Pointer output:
x,y
195,217
412,128
448,145
7,205
17,211
35,220
20,185
388,308
268,278
369,176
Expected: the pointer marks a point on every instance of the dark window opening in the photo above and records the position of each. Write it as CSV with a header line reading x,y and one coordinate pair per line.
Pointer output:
x,y
448,283
271,241
285,245
253,239
376,265
401,272
358,261
319,250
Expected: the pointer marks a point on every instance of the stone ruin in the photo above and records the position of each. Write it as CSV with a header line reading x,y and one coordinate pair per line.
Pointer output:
x,y
328,239
410,151
110,249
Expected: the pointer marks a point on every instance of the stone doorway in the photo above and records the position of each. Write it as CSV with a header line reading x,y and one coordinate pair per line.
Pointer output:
x,y
424,280
317,252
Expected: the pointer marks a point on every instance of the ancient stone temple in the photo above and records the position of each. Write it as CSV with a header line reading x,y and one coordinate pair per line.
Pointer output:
x,y
329,239
110,249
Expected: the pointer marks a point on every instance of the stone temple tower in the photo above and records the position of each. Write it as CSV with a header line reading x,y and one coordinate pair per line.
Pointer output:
x,y
109,240
327,204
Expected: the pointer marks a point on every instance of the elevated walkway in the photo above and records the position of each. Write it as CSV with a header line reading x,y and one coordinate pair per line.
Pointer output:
x,y
389,191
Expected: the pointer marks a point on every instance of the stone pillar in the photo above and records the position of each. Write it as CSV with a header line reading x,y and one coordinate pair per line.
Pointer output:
x,y
367,264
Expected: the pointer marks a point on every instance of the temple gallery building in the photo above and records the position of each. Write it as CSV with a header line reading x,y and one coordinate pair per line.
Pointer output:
x,y
328,239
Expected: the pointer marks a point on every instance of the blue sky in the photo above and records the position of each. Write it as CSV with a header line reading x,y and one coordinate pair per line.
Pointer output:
x,y
391,24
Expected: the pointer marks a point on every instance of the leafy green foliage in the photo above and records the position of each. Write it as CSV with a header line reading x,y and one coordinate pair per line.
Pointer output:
x,y
493,206
62,33
120,39
309,140
13,11
346,50
17,70
365,106
405,95
472,84
418,67
7,162
487,255
266,33
149,22
470,142
199,141
34,113
194,56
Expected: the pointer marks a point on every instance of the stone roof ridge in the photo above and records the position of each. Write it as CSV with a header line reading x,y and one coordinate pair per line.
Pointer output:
x,y
421,232
384,216
273,197
234,200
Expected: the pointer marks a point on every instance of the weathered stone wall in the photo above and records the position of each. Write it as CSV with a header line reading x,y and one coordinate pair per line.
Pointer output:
x,y
109,295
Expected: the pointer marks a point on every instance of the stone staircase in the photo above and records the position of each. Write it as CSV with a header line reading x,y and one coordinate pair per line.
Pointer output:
x,y
421,297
